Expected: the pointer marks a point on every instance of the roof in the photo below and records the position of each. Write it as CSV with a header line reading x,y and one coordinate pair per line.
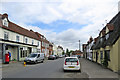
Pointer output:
x,y
18,29
110,27
114,33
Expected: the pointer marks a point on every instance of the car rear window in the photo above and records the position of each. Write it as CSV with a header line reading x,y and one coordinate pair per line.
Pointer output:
x,y
71,60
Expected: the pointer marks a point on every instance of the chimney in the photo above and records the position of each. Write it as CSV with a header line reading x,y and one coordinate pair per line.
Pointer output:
x,y
31,30
5,15
118,6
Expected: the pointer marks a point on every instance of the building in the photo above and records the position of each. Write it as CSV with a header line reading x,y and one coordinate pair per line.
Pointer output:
x,y
55,52
84,50
89,52
50,49
59,50
107,46
44,44
17,40
77,52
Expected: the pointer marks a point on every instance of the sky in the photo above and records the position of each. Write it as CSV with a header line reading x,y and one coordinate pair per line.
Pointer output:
x,y
63,22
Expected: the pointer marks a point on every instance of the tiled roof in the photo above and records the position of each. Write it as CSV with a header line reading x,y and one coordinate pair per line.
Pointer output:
x,y
110,27
18,29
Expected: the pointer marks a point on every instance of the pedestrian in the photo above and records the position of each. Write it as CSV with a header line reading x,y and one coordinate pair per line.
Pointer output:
x,y
9,56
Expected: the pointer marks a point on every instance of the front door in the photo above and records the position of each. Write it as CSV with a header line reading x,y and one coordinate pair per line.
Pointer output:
x,y
0,51
96,56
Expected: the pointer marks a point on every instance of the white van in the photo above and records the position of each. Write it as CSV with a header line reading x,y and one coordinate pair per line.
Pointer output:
x,y
35,58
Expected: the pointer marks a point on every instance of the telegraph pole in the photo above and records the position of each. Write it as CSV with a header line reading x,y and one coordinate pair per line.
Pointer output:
x,y
79,44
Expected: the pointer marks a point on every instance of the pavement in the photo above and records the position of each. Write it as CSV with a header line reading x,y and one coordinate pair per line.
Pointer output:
x,y
96,71
54,69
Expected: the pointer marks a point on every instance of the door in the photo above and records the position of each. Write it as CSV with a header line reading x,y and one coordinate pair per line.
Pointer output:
x,y
38,57
96,56
0,51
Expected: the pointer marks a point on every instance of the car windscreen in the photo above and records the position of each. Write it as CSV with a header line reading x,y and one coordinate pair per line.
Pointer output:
x,y
71,60
32,55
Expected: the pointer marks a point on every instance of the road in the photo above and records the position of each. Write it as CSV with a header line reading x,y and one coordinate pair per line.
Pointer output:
x,y
48,69
53,69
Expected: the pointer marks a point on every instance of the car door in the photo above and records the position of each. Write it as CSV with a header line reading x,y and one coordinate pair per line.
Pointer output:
x,y
38,57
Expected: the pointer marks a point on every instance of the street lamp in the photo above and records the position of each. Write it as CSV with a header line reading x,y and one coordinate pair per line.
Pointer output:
x,y
79,44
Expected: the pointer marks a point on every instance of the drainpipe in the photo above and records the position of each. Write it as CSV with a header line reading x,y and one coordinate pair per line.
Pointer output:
x,y
3,52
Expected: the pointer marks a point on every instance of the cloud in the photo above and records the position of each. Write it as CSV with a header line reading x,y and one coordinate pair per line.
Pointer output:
x,y
93,13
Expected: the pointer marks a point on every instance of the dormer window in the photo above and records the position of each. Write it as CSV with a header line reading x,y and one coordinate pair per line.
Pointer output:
x,y
5,22
101,39
107,36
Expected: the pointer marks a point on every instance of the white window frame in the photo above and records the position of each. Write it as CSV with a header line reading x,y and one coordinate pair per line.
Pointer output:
x,y
17,38
6,35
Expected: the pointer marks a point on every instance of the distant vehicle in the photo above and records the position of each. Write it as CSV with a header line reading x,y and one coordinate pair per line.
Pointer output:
x,y
78,56
74,56
60,56
51,57
35,58
71,63
56,56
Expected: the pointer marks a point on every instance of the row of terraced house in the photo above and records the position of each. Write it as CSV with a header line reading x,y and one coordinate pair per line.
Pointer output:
x,y
105,49
20,42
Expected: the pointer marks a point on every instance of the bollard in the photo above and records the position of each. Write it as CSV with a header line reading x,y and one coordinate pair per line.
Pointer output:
x,y
24,64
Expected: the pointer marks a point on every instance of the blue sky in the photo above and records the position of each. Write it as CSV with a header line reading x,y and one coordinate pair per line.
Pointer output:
x,y
58,26
63,22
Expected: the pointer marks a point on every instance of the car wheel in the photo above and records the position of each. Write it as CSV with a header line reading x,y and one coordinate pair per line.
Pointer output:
x,y
80,70
42,61
36,62
64,70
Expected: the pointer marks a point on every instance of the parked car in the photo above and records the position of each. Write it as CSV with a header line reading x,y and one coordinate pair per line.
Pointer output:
x,y
71,63
56,56
60,56
51,57
34,58
74,56
78,56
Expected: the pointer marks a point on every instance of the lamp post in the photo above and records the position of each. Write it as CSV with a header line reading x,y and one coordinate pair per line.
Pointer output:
x,y
79,44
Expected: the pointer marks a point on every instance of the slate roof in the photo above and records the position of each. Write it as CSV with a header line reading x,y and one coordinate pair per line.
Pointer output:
x,y
114,33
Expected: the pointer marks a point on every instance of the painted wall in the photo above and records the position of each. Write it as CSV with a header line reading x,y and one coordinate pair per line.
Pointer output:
x,y
114,51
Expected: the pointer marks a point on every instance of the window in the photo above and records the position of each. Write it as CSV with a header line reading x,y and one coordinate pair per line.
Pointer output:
x,y
107,36
38,43
17,38
26,40
32,42
94,55
6,35
38,55
5,22
101,39
101,54
107,55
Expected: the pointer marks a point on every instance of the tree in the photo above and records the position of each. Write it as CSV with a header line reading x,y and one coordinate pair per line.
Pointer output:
x,y
63,53
67,52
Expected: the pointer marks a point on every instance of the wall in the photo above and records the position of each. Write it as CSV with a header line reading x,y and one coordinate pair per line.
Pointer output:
x,y
114,50
119,55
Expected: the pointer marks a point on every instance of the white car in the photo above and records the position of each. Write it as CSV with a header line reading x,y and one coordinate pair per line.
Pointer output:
x,y
71,63
34,58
